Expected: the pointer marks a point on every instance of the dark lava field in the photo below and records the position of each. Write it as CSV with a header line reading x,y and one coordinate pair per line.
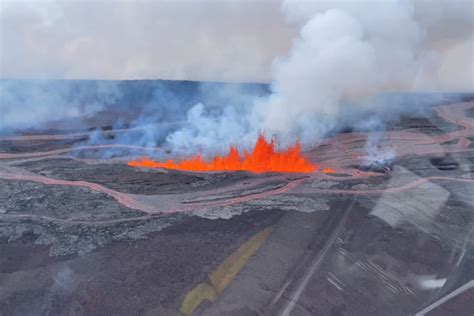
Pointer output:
x,y
83,233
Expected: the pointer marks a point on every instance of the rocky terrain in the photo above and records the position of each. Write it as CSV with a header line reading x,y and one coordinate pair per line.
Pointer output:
x,y
83,233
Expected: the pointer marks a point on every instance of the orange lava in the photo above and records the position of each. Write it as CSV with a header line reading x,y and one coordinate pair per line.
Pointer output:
x,y
263,158
328,170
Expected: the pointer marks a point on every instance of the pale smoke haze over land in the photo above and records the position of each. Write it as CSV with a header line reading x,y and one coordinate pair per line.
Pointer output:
x,y
179,40
324,59
346,53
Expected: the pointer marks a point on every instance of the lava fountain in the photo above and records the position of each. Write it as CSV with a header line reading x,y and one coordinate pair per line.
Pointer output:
x,y
263,158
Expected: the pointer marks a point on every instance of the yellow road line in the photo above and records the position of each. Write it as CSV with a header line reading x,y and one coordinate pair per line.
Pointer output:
x,y
196,296
220,278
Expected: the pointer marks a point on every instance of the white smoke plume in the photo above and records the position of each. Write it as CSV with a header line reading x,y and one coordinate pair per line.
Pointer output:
x,y
377,153
343,55
346,53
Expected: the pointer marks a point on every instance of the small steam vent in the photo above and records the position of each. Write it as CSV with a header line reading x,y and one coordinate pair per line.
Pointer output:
x,y
384,166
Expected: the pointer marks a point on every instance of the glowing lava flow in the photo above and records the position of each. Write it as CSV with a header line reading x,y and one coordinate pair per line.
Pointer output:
x,y
328,170
263,158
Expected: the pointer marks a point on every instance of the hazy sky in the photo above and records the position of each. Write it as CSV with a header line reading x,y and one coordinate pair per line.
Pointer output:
x,y
107,39
332,55
190,39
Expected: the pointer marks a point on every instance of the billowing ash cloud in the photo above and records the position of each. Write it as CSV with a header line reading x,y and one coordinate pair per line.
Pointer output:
x,y
346,53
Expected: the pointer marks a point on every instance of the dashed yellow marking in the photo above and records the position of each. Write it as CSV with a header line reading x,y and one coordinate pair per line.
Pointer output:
x,y
220,278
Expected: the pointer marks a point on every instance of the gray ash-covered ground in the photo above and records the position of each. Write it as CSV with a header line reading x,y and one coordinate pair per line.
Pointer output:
x,y
55,201
124,278
123,178
27,146
86,234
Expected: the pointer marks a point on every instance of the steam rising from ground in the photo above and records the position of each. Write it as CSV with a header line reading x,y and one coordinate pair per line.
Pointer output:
x,y
346,53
